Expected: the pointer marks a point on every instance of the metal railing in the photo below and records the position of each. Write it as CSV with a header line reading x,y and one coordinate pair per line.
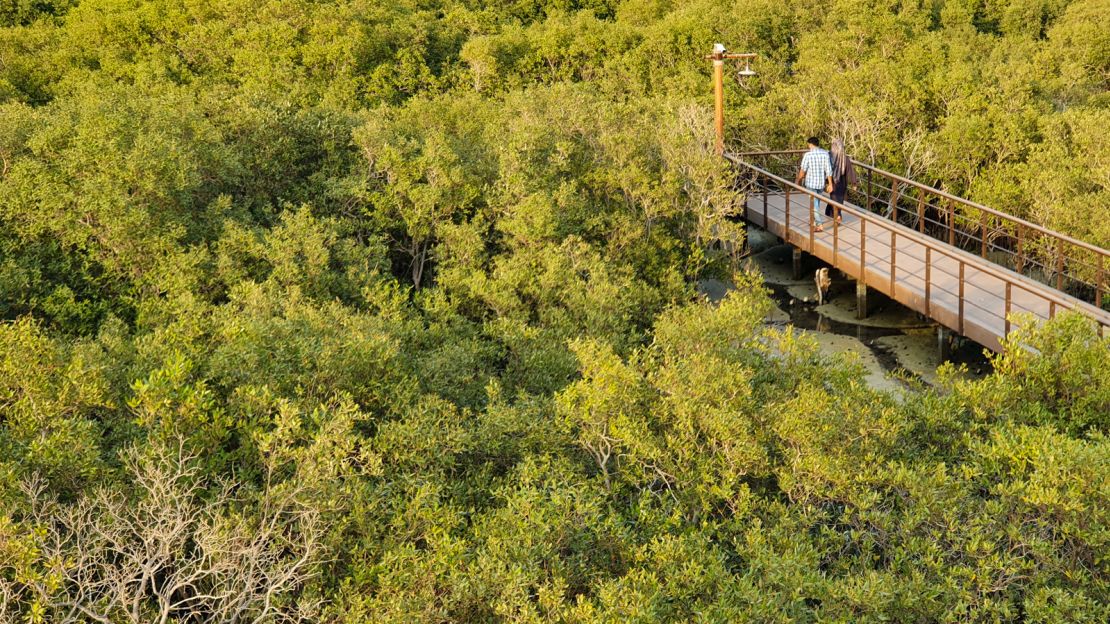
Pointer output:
x,y
764,183
1067,264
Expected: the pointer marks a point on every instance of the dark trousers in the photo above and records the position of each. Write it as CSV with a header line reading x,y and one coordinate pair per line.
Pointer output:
x,y
839,191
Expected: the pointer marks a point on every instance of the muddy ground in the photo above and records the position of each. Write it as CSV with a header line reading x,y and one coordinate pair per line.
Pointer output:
x,y
895,345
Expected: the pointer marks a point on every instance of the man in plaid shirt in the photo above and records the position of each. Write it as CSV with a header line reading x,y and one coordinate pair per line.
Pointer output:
x,y
816,172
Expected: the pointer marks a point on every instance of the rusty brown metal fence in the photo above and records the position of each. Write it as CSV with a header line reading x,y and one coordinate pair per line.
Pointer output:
x,y
924,254
1067,264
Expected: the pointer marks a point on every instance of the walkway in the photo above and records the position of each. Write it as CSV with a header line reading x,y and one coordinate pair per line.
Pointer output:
x,y
965,292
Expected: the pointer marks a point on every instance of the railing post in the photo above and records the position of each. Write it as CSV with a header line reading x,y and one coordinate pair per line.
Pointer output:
x,y
1098,282
1060,265
869,190
765,185
863,250
1020,263
962,265
928,279
1009,302
786,230
893,260
952,223
921,210
983,235
812,225
894,200
836,233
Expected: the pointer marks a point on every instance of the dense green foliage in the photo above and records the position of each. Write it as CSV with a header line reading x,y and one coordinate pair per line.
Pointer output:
x,y
357,311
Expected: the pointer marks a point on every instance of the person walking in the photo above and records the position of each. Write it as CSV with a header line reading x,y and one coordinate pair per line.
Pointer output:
x,y
843,175
816,173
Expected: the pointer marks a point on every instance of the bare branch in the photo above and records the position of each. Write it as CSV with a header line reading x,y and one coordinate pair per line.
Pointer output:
x,y
169,553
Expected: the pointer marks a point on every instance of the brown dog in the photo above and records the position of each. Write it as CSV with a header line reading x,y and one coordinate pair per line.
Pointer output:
x,y
822,281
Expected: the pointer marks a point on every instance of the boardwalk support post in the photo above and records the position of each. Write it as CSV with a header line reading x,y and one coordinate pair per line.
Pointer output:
x,y
944,343
796,256
861,299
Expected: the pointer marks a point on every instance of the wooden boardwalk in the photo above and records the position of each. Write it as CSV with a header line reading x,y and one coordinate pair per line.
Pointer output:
x,y
960,290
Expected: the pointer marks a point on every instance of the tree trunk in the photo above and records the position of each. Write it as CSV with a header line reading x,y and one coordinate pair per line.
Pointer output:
x,y
419,257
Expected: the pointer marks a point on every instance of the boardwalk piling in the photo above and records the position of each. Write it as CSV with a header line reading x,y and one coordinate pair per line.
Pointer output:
x,y
861,299
796,256
944,343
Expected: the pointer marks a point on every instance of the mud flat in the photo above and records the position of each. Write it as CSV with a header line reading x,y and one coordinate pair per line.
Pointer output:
x,y
891,344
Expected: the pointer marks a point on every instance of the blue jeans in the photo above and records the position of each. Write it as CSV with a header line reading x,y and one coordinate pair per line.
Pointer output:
x,y
818,213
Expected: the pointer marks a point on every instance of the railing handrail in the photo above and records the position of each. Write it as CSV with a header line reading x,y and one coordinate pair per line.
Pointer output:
x,y
967,202
1036,288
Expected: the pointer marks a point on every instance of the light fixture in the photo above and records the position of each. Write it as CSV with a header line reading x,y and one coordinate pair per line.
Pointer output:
x,y
746,71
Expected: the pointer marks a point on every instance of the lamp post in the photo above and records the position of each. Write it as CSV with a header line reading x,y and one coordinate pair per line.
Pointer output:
x,y
719,56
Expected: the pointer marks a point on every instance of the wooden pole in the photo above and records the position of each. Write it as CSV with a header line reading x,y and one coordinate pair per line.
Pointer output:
x,y
719,101
719,56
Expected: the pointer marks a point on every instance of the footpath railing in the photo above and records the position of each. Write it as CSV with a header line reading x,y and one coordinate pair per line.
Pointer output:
x,y
1051,258
853,257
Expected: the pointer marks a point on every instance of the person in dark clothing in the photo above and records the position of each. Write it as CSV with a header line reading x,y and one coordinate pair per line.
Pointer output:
x,y
843,174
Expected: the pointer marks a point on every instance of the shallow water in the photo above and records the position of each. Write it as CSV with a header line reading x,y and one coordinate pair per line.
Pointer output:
x,y
803,315
894,343
807,315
